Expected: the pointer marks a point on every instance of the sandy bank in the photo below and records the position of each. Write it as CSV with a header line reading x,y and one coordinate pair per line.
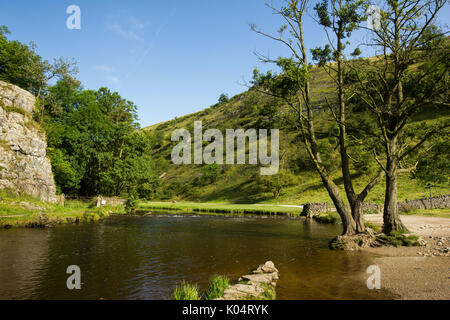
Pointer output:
x,y
417,272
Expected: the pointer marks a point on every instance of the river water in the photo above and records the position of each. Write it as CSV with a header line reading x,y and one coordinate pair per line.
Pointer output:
x,y
145,257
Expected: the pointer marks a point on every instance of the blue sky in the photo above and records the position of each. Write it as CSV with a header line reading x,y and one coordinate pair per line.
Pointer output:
x,y
169,57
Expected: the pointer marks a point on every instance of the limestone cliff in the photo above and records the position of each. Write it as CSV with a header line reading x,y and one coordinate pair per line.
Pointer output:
x,y
24,167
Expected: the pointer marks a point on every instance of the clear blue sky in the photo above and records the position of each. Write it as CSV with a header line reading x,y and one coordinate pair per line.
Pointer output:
x,y
169,57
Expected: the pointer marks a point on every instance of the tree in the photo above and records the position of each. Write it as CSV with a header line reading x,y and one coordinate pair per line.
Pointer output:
x,y
409,76
19,64
292,86
339,19
223,98
22,66
95,145
276,183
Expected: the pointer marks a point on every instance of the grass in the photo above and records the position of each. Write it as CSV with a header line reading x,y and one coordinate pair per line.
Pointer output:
x,y
15,109
217,286
186,291
25,211
192,207
374,227
269,292
398,239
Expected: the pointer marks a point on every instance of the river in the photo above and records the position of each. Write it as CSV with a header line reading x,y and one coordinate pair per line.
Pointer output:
x,y
145,257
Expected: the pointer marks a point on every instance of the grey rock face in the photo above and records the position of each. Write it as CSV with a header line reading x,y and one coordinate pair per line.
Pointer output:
x,y
24,167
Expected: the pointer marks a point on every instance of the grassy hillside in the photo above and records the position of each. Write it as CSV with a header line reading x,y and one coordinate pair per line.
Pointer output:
x,y
239,183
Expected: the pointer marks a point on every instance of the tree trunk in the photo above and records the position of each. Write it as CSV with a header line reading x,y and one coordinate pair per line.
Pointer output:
x,y
358,215
348,224
391,216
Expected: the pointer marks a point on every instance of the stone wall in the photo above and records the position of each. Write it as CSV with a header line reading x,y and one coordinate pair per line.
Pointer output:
x,y
439,202
369,208
311,209
24,167
110,201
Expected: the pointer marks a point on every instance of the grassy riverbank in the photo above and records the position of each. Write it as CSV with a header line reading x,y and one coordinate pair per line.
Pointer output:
x,y
23,211
193,207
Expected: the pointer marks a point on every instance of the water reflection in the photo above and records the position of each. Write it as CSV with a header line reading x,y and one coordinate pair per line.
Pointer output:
x,y
145,257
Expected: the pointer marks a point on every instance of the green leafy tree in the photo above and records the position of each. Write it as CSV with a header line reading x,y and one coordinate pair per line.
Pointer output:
x,y
409,77
22,66
276,183
97,143
340,19
292,87
223,98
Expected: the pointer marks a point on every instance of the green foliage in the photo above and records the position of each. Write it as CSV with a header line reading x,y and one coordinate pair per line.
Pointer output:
x,y
277,182
66,179
434,165
267,117
329,217
94,144
286,84
19,64
269,292
186,291
131,204
15,109
22,66
337,244
397,240
217,286
374,227
210,173
93,140
223,98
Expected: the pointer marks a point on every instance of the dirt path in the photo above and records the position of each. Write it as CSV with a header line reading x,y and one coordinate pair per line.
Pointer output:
x,y
417,272
420,225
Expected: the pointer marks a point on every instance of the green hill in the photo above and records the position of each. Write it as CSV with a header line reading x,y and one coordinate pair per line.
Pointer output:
x,y
240,183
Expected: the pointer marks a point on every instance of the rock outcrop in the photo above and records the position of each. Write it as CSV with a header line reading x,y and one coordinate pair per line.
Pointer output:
x,y
24,167
259,284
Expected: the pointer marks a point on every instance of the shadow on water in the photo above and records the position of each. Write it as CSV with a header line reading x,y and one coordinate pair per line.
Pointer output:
x,y
145,257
